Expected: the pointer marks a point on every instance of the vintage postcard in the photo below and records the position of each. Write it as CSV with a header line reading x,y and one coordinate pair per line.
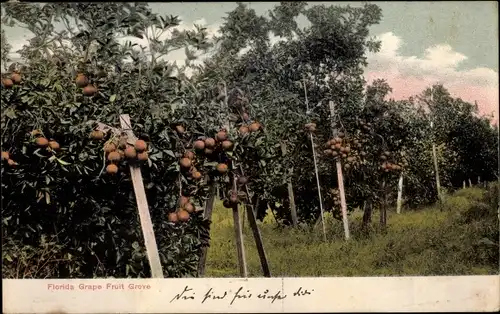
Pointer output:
x,y
213,157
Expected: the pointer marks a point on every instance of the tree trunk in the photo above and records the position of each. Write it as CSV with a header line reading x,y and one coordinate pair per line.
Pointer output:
x,y
367,213
383,207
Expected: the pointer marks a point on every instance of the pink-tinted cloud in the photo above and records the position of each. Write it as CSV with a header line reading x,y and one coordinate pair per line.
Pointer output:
x,y
410,75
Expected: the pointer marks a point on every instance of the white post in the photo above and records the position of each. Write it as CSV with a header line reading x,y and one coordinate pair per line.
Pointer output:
x,y
400,194
316,169
436,168
340,179
142,207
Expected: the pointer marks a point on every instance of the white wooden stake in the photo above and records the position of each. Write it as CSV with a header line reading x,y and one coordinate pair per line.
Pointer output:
x,y
470,183
319,188
400,194
322,212
340,179
142,206
436,168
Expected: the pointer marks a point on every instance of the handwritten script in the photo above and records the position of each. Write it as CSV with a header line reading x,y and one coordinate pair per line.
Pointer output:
x,y
232,296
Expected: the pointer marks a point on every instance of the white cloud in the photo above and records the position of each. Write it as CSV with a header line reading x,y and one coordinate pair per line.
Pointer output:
x,y
410,75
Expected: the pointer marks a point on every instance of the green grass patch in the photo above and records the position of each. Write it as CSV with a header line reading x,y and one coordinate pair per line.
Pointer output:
x,y
458,237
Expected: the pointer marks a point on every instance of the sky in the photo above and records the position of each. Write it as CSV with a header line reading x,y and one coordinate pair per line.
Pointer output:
x,y
454,43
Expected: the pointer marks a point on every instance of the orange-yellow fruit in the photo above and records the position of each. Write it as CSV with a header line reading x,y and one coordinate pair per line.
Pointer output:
x,y
121,152
97,135
227,145
140,145
130,152
244,130
112,169
328,152
142,156
338,140
5,156
183,215
341,134
334,153
7,83
209,142
16,78
172,217
89,90
338,146
81,80
222,168
42,142
221,136
110,147
114,156
196,175
189,154
11,162
185,163
199,144
254,127
189,207
54,145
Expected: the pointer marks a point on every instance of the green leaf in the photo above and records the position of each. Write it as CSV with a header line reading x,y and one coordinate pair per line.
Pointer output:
x,y
112,98
62,162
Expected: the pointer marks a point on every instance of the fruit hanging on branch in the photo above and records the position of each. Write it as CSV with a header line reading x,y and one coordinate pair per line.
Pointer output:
x,y
54,145
42,142
227,145
97,135
244,130
254,127
89,90
81,80
140,146
221,136
185,163
7,83
143,156
114,157
112,169
209,143
130,152
222,168
199,145
5,156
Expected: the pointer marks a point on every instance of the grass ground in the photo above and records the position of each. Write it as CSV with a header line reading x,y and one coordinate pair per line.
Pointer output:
x,y
458,237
